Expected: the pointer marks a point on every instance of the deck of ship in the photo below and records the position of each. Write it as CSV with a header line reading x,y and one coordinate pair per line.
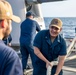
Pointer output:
x,y
64,73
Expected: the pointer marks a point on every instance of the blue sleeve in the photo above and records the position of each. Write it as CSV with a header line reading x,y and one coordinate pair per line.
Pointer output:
x,y
38,27
13,66
38,40
63,50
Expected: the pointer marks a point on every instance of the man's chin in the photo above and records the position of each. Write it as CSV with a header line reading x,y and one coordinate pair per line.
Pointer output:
x,y
53,35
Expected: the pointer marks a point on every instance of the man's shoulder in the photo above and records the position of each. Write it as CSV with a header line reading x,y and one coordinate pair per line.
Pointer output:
x,y
28,20
43,32
61,39
7,51
33,21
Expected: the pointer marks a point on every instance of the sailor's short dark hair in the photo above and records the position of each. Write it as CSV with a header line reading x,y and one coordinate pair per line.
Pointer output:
x,y
29,14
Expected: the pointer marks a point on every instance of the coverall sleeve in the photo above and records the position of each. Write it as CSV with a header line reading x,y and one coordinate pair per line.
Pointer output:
x,y
63,49
38,27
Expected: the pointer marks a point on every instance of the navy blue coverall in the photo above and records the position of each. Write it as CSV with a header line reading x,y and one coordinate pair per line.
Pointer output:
x,y
50,50
28,32
10,63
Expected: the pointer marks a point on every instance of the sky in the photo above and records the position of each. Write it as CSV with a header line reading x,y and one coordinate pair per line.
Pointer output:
x,y
65,8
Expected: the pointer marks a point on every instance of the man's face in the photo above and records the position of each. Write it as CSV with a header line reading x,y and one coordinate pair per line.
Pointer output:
x,y
8,28
54,31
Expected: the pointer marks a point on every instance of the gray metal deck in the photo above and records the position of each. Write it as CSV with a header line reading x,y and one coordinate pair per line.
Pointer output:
x,y
64,73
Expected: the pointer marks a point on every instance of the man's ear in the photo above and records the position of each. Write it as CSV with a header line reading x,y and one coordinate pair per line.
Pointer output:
x,y
2,24
60,29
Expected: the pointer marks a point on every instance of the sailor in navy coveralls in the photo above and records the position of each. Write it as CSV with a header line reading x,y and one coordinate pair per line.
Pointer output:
x,y
28,32
10,63
49,46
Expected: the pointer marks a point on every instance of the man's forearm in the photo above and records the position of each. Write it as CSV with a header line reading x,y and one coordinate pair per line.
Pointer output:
x,y
39,54
60,64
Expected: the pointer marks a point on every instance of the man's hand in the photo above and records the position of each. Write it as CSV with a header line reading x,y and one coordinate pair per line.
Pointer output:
x,y
48,64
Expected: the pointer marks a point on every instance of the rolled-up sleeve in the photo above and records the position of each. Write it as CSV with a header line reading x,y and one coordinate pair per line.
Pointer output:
x,y
63,50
